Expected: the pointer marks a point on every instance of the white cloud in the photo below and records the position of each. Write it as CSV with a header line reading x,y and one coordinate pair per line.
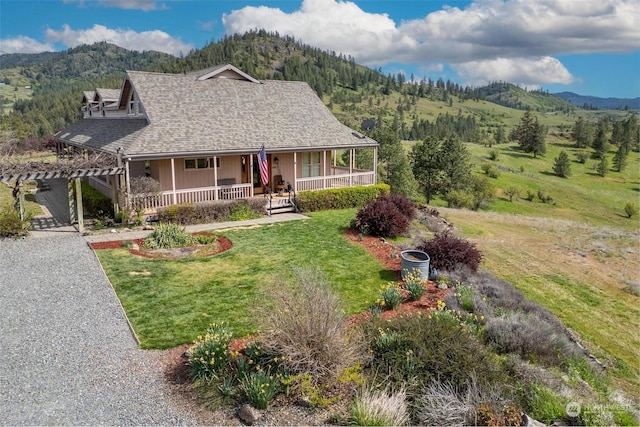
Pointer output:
x,y
527,72
511,37
328,24
145,5
146,40
23,44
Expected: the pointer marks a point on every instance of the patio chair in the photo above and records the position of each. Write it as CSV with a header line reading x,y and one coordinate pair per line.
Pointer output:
x,y
278,184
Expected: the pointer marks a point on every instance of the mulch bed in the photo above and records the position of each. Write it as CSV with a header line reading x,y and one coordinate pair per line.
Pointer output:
x,y
221,244
389,256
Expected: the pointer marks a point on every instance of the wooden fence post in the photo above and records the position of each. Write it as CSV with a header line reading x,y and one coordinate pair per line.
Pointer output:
x,y
79,205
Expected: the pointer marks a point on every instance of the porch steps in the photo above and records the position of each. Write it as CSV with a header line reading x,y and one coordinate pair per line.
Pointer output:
x,y
281,205
284,209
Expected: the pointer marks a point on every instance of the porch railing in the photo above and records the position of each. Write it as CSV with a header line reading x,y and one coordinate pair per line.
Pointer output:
x,y
244,191
335,181
192,195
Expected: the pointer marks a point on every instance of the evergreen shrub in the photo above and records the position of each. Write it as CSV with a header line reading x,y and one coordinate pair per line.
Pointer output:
x,y
95,203
202,213
339,198
10,223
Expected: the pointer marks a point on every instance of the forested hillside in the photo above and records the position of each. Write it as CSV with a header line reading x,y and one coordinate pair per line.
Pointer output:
x,y
596,103
414,106
58,80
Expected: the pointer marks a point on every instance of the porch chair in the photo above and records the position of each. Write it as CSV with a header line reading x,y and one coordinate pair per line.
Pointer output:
x,y
278,184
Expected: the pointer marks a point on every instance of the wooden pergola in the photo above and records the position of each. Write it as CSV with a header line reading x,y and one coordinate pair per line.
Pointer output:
x,y
76,212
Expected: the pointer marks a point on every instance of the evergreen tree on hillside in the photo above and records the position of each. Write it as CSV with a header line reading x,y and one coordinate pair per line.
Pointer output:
x,y
562,165
455,163
500,135
530,134
603,166
620,158
600,143
425,162
631,133
582,133
393,164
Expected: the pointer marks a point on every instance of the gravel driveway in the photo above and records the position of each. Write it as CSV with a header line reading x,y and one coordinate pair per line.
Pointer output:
x,y
68,355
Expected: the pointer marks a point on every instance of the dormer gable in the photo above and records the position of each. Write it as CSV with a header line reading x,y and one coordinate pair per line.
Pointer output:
x,y
226,71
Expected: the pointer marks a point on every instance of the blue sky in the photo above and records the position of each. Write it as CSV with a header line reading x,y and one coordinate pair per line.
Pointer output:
x,y
591,47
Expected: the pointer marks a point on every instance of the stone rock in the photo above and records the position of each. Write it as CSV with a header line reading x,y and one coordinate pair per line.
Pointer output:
x,y
248,414
147,227
442,286
304,402
113,230
134,247
528,421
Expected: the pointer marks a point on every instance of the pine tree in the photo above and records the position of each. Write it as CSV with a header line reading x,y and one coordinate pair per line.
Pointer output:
x,y
500,136
425,163
600,143
393,164
603,166
562,165
455,165
620,158
530,134
583,133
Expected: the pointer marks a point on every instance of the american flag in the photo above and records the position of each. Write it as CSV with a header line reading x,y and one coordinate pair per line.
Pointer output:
x,y
264,169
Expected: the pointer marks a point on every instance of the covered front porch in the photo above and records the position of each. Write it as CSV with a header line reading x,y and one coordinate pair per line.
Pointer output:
x,y
229,177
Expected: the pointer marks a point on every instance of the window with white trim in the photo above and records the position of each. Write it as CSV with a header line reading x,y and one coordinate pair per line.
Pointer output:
x,y
201,163
310,164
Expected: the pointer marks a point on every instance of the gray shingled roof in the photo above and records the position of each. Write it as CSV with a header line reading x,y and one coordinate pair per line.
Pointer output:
x,y
217,115
103,134
108,94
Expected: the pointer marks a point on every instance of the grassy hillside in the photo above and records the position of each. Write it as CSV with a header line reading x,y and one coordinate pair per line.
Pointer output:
x,y
584,197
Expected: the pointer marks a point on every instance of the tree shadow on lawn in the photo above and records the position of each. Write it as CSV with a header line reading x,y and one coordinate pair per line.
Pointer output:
x,y
513,152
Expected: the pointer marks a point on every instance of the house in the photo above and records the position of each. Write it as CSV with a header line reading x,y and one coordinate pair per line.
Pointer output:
x,y
198,135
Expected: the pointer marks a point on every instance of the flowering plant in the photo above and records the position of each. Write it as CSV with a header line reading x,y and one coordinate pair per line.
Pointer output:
x,y
210,352
390,296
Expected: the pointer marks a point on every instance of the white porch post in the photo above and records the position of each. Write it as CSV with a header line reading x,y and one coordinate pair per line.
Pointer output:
x,y
114,193
174,199
375,165
352,160
127,178
324,169
295,171
215,178
251,174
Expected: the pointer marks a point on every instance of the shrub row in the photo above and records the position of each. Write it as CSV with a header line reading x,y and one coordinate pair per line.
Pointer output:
x,y
95,203
339,198
202,213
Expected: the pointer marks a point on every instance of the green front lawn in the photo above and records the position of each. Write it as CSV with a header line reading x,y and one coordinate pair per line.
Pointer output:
x,y
171,302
